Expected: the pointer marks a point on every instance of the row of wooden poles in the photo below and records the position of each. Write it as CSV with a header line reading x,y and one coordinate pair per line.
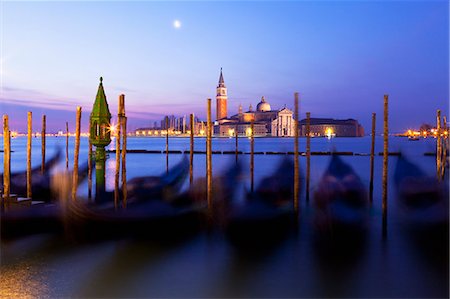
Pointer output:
x,y
441,153
7,153
121,127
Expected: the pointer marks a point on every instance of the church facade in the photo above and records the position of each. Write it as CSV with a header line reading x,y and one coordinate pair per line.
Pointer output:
x,y
266,122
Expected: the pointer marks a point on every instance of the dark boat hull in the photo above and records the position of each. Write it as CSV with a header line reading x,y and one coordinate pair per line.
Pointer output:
x,y
267,217
424,209
149,220
341,204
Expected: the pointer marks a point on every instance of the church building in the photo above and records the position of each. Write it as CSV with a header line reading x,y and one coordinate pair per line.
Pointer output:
x,y
266,122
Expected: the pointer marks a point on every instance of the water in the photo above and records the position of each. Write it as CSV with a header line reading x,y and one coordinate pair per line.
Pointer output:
x,y
207,265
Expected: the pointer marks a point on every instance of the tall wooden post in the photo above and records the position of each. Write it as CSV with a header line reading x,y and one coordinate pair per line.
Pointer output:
x,y
438,145
67,145
191,152
444,146
308,153
252,157
117,173
120,114
124,157
296,162
76,155
6,159
124,161
43,132
167,144
209,158
29,140
385,164
89,165
372,156
236,136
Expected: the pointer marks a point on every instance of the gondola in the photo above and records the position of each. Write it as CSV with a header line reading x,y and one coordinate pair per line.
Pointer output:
x,y
155,209
166,186
40,181
267,215
423,206
416,190
341,202
101,220
142,219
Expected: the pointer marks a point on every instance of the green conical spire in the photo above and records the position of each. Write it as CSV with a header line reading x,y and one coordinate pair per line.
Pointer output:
x,y
101,108
100,134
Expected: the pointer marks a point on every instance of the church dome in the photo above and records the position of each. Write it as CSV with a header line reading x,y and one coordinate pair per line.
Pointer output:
x,y
263,106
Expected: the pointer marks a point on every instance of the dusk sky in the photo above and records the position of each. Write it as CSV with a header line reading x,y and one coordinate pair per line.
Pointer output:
x,y
341,56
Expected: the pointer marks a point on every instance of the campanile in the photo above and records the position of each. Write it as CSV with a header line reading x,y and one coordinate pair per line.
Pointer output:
x,y
221,98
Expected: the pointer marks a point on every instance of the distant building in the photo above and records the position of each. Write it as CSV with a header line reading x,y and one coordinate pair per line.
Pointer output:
x,y
176,126
332,127
266,122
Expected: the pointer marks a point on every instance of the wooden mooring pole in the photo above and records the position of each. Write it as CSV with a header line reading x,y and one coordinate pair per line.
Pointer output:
x,y
124,153
76,155
209,158
308,154
29,140
89,164
236,136
444,146
67,145
117,173
43,132
191,152
385,164
438,145
167,144
124,162
372,156
6,159
252,157
296,162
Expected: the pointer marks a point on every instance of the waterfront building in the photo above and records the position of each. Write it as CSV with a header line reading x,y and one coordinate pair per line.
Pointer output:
x,y
332,127
266,122
176,126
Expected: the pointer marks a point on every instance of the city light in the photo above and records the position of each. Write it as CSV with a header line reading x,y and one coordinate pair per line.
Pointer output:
x,y
113,129
231,132
248,132
329,133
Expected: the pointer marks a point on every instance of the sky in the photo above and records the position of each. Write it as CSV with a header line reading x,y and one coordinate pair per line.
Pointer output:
x,y
341,56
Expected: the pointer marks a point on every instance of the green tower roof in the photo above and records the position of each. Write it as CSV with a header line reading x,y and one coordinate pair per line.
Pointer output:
x,y
101,108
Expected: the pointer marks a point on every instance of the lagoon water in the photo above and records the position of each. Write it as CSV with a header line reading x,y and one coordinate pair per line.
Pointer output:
x,y
207,265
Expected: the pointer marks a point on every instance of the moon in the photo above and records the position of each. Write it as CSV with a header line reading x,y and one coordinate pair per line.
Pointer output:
x,y
176,24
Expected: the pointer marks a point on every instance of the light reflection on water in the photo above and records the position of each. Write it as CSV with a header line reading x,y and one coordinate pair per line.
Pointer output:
x,y
207,265
23,281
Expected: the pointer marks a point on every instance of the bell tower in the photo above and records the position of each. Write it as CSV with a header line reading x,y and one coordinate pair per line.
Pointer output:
x,y
221,98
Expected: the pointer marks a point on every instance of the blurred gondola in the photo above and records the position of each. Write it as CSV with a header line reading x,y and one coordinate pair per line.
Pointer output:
x,y
424,207
341,212
267,215
40,186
